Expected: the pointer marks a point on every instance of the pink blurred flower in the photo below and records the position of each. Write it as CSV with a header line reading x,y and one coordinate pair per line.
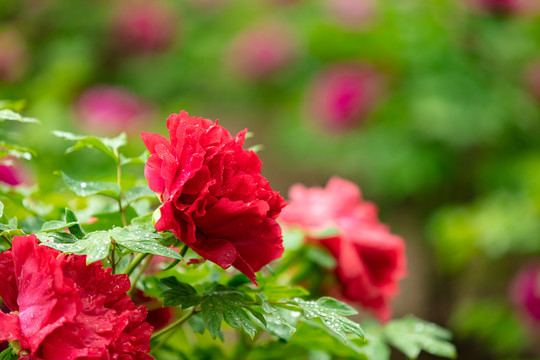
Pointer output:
x,y
342,95
525,292
370,260
351,13
13,172
109,110
144,26
13,55
504,7
262,50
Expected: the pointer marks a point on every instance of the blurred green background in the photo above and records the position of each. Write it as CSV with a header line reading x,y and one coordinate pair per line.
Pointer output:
x,y
431,106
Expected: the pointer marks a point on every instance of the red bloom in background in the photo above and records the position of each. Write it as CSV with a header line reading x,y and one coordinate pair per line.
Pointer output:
x,y
370,260
13,55
525,293
13,173
342,95
214,197
63,309
108,109
505,7
144,26
262,50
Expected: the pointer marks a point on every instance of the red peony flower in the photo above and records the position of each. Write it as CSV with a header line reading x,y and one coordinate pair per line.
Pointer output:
x,y
525,293
370,260
63,309
504,7
343,95
214,197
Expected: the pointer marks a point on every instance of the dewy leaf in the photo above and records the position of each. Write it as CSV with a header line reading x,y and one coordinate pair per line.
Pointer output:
x,y
337,306
140,160
223,303
87,188
75,229
7,114
108,146
330,316
95,246
55,225
143,241
278,292
179,293
59,241
139,192
411,335
18,151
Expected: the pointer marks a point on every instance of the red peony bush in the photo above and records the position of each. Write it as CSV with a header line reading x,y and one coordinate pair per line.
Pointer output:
x,y
214,197
63,309
370,260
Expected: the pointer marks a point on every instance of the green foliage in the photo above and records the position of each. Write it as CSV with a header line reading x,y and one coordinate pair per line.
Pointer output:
x,y
8,354
108,146
88,188
7,114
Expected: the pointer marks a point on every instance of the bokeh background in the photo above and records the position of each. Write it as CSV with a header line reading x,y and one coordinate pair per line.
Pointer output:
x,y
431,106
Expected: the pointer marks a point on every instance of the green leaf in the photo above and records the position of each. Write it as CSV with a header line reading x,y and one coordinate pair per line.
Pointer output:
x,y
17,151
139,160
95,245
179,293
223,303
87,188
337,306
1,209
330,316
143,241
75,229
411,335
15,105
108,146
321,257
139,192
7,114
8,354
56,225
59,241
278,292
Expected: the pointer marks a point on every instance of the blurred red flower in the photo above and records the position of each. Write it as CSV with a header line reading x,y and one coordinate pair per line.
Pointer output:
x,y
109,110
343,94
525,292
352,13
144,26
12,172
214,197
13,55
63,309
262,50
370,260
505,7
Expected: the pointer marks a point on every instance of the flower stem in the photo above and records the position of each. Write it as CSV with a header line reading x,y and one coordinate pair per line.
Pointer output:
x,y
134,263
184,250
134,283
174,325
119,182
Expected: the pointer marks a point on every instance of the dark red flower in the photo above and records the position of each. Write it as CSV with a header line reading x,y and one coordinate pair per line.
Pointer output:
x,y
13,172
370,260
214,197
525,292
505,7
63,309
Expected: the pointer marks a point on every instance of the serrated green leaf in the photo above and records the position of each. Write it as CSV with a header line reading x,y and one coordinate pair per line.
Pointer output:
x,y
337,306
411,335
8,354
11,115
55,225
278,292
75,229
140,240
179,293
108,146
212,313
139,192
95,245
330,317
139,160
87,188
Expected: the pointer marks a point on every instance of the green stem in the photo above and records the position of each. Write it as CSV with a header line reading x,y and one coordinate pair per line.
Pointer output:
x,y
119,182
134,263
174,325
184,250
144,267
